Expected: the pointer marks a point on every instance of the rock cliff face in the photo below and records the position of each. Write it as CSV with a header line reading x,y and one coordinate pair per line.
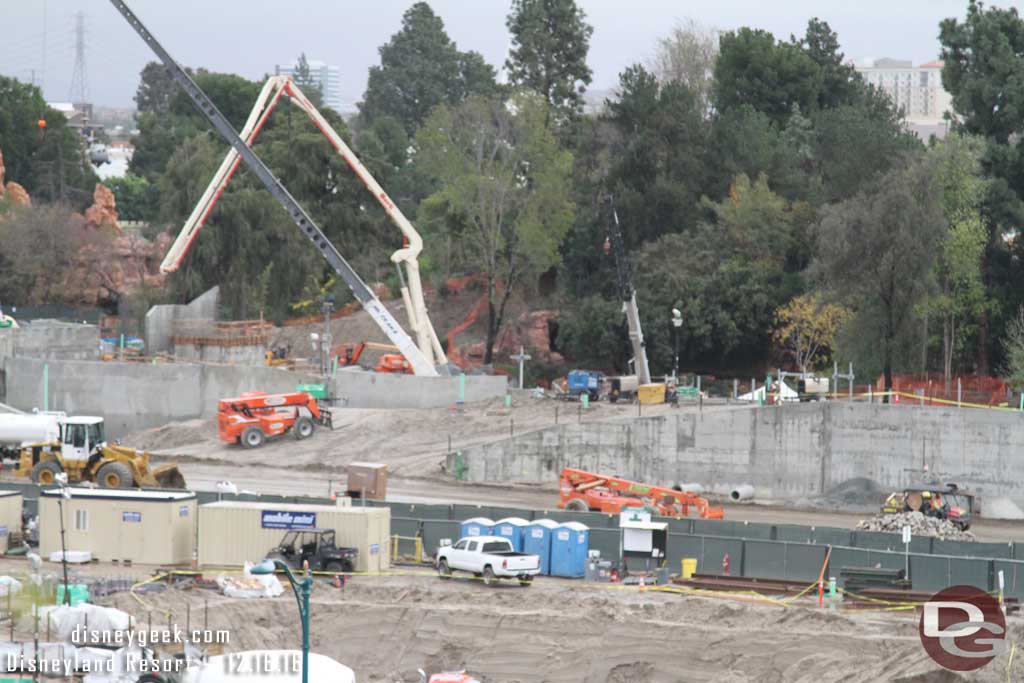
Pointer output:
x,y
13,192
103,212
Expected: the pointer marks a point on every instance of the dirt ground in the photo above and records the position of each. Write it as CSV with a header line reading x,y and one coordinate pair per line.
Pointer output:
x,y
560,631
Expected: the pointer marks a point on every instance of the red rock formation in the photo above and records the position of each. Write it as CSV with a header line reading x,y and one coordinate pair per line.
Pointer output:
x,y
2,171
103,211
18,195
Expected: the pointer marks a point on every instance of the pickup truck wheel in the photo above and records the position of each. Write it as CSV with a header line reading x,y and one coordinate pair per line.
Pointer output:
x,y
525,580
443,570
489,578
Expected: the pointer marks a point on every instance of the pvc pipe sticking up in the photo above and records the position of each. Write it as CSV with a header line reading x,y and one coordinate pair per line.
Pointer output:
x,y
742,492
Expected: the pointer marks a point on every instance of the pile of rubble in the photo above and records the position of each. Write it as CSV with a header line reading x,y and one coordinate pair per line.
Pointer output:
x,y
919,526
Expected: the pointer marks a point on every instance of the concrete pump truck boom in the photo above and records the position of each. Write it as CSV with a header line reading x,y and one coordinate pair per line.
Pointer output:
x,y
421,362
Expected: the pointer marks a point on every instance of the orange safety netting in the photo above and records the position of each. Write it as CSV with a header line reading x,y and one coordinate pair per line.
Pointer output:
x,y
977,389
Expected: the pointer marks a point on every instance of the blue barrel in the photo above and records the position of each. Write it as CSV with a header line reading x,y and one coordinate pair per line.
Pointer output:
x,y
570,544
537,541
512,529
478,526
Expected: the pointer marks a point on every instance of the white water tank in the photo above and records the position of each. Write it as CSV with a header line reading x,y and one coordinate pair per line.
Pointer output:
x,y
26,429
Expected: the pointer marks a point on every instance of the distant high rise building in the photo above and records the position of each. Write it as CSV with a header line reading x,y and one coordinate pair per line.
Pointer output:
x,y
917,90
325,75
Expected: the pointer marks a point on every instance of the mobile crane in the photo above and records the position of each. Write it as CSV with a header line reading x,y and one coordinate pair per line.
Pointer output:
x,y
582,491
613,243
423,357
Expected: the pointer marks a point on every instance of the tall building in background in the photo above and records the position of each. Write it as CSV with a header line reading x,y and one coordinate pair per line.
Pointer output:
x,y
327,76
917,90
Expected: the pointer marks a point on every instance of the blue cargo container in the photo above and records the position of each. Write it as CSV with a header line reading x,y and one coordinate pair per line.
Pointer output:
x,y
584,382
478,526
537,541
512,529
570,544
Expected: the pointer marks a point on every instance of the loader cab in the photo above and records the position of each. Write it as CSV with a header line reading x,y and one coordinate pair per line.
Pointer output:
x,y
81,436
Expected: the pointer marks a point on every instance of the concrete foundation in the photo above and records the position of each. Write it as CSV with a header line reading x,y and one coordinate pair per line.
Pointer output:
x,y
783,451
238,355
160,319
51,340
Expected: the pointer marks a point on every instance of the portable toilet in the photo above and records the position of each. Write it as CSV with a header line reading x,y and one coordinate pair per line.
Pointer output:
x,y
537,541
570,543
478,526
511,528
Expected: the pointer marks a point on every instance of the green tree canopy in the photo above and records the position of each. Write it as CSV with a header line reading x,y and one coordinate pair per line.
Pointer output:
x,y
503,190
421,68
550,41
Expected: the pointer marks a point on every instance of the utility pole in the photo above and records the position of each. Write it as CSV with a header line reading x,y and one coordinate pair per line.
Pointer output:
x,y
677,322
327,307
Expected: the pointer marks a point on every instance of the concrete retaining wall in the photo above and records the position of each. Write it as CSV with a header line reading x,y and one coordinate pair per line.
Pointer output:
x,y
784,451
52,340
133,396
360,389
160,319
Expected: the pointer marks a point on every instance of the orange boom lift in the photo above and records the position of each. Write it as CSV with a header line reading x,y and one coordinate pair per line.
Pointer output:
x,y
585,491
255,416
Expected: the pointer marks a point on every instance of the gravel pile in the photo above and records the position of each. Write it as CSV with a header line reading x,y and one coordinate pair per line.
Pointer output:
x,y
919,526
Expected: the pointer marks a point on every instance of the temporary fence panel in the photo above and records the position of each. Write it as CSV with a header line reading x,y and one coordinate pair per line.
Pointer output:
x,y
804,562
716,548
754,530
405,527
970,572
682,525
928,573
11,504
537,541
876,540
1013,577
764,559
846,557
497,513
713,527
429,511
607,542
461,511
683,546
1003,551
433,530
886,560
827,535
794,533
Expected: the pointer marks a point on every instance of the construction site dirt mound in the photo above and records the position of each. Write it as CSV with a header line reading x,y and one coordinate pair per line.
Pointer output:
x,y
919,524
560,631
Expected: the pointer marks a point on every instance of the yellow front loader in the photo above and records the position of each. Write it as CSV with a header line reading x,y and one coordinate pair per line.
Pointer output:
x,y
112,467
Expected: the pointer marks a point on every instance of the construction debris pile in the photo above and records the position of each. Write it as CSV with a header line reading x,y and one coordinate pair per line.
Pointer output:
x,y
919,526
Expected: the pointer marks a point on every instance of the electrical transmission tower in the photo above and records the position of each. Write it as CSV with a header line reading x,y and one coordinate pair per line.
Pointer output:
x,y
79,83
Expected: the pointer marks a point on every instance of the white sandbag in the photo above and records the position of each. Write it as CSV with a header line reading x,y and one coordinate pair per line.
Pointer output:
x,y
250,585
73,556
9,585
82,624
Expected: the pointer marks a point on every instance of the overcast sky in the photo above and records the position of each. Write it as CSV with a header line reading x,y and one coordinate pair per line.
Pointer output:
x,y
250,36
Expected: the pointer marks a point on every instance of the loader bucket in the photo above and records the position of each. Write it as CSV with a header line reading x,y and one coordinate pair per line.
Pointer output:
x,y
169,477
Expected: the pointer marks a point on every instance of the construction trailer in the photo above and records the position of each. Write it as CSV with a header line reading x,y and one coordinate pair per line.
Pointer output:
x,y
10,516
148,526
232,533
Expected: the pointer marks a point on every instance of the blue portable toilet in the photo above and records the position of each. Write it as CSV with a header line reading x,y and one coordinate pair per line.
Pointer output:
x,y
511,528
478,526
537,541
570,544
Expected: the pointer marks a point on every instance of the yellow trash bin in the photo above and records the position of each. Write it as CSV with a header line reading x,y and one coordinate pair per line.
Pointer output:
x,y
650,394
689,567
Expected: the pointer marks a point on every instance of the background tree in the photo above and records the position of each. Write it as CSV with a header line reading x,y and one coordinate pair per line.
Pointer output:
x,y
875,253
1013,349
421,68
806,329
687,56
550,41
502,177
772,77
137,198
156,88
840,82
48,162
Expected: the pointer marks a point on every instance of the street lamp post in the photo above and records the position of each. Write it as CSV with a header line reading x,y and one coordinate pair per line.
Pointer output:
x,y
302,590
677,322
65,493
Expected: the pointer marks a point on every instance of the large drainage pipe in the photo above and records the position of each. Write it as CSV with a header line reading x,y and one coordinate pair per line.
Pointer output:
x,y
742,492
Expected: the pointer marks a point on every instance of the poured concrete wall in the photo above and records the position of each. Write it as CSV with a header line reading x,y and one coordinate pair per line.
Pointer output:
x,y
784,451
360,389
160,319
52,340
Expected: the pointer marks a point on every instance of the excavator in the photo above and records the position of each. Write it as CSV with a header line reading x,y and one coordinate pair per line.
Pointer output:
x,y
582,491
394,362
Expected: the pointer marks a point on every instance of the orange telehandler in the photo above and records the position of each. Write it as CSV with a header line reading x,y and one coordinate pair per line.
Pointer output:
x,y
389,362
255,416
585,491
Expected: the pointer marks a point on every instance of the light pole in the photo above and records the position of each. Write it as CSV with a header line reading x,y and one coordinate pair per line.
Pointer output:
x,y
302,590
677,322
65,493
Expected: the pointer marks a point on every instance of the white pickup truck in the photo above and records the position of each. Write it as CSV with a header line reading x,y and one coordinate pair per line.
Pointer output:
x,y
491,557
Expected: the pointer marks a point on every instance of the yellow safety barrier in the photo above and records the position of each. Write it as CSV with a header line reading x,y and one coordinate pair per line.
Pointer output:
x,y
417,549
